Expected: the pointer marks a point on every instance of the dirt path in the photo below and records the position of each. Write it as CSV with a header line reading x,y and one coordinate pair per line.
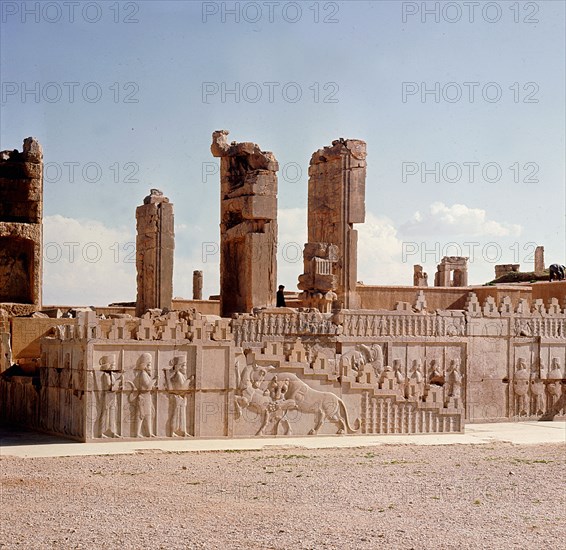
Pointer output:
x,y
473,496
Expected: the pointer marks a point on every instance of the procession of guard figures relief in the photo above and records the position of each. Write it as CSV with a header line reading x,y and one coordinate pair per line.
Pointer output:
x,y
128,407
537,390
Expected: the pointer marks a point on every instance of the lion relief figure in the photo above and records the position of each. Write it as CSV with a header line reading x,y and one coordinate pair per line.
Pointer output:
x,y
295,394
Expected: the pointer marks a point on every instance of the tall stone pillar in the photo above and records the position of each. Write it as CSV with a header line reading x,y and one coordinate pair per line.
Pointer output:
x,y
248,225
197,285
155,244
337,180
21,233
539,259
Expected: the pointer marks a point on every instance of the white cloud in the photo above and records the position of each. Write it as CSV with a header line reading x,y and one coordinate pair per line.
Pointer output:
x,y
458,219
379,253
379,250
87,263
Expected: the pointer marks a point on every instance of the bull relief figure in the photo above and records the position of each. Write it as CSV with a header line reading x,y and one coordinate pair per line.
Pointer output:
x,y
297,395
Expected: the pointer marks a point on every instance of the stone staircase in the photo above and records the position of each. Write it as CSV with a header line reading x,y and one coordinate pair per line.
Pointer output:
x,y
384,410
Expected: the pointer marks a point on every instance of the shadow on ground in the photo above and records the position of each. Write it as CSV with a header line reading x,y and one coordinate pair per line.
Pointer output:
x,y
13,436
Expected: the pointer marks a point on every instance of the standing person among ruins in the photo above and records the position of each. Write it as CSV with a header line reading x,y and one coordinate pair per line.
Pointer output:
x,y
281,297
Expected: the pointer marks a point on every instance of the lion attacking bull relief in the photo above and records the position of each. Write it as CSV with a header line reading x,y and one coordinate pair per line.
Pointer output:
x,y
273,398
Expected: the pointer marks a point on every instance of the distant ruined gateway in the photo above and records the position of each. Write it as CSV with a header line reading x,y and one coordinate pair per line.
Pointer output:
x,y
341,358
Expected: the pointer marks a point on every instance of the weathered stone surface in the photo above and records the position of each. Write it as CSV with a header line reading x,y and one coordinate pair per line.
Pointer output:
x,y
183,374
539,259
415,360
452,271
21,214
336,201
248,227
318,282
504,269
197,285
155,244
5,350
420,278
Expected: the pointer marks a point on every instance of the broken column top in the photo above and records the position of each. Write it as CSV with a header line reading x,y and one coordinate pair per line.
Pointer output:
x,y
355,147
155,196
257,159
31,152
454,259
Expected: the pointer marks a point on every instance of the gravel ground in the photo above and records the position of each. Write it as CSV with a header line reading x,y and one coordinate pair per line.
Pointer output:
x,y
392,496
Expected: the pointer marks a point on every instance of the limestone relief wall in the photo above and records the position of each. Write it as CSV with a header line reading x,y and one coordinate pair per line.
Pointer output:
x,y
283,371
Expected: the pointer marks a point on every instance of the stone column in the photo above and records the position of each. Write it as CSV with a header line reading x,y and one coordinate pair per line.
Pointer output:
x,y
248,225
420,278
539,259
155,244
21,234
197,285
337,179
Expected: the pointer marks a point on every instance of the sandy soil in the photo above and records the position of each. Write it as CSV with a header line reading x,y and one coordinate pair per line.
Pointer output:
x,y
473,496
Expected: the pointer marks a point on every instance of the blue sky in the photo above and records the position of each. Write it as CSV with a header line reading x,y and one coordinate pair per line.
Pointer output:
x,y
160,68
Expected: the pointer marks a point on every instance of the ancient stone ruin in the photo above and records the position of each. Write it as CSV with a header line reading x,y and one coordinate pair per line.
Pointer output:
x,y
505,269
452,271
21,216
342,358
539,259
337,182
420,278
248,225
197,285
155,244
